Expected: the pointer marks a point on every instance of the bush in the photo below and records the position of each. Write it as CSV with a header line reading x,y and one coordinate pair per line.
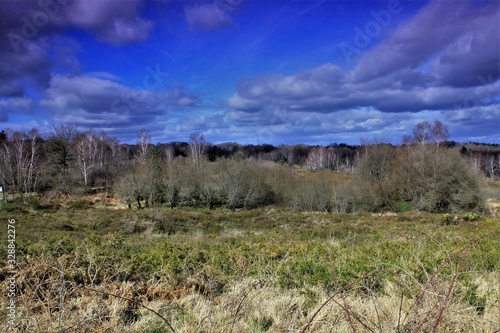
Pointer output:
x,y
449,219
424,178
243,185
374,178
470,217
447,183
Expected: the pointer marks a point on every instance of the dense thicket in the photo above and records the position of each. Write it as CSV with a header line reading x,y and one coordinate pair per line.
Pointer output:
x,y
421,177
425,173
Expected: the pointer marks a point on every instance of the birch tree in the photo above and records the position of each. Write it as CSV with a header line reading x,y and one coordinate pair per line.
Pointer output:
x,y
34,158
87,153
143,143
197,147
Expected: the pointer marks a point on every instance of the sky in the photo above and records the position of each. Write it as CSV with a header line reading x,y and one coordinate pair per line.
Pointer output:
x,y
252,71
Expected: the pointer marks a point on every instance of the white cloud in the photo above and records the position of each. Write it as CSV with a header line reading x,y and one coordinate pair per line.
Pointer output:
x,y
19,105
117,22
92,101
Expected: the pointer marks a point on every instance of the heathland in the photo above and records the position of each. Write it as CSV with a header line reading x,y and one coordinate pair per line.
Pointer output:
x,y
92,264
106,237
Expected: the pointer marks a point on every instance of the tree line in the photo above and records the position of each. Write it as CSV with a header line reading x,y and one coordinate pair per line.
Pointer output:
x,y
426,172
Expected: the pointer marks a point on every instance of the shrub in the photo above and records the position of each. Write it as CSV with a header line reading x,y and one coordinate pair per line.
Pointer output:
x,y
424,178
470,217
312,194
449,219
243,185
374,177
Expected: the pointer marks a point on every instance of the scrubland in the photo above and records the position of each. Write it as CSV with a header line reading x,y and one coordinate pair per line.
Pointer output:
x,y
93,265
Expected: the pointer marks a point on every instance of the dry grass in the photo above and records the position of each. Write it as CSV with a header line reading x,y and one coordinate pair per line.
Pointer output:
x,y
249,305
267,270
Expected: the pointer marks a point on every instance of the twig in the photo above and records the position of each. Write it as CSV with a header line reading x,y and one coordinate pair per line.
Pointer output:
x,y
210,321
130,300
346,307
464,251
434,275
400,309
61,295
355,316
335,294
379,322
452,284
238,308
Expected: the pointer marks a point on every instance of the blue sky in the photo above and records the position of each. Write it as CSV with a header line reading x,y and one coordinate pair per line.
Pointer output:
x,y
252,71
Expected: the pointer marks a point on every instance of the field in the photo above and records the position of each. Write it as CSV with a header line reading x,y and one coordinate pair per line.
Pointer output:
x,y
90,264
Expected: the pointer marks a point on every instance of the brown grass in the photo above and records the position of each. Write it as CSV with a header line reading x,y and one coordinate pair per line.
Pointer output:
x,y
405,287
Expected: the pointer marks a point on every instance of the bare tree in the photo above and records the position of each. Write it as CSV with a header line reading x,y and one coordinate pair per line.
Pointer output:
x,y
60,147
34,159
133,187
491,166
6,160
286,153
197,146
498,162
102,148
425,132
322,158
316,159
422,132
169,152
143,143
3,164
21,159
87,153
476,159
374,176
439,132
315,194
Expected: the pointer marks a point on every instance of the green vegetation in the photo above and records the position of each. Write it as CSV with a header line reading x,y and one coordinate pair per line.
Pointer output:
x,y
92,264
200,238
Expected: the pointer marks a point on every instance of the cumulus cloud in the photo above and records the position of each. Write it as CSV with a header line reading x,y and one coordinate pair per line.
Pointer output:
x,y
179,97
116,22
318,90
476,123
32,45
443,61
19,105
15,69
458,43
472,56
93,101
462,30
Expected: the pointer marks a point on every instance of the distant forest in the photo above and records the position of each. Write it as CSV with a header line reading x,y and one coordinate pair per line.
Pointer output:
x,y
70,161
